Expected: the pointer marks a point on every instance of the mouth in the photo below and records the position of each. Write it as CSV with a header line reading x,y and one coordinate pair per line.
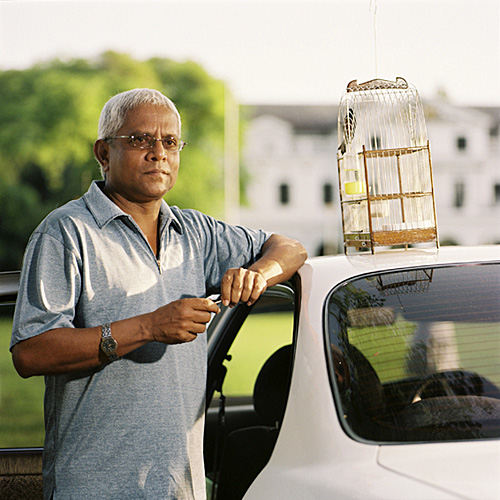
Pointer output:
x,y
156,172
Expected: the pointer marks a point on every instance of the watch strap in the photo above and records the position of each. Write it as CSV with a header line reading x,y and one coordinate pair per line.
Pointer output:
x,y
108,343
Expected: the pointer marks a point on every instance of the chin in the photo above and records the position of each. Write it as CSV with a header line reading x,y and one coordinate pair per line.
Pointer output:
x,y
158,190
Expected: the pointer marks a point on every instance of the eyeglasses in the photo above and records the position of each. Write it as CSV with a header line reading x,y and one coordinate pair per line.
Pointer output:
x,y
146,141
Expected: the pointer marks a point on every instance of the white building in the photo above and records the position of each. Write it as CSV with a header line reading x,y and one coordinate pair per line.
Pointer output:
x,y
465,151
290,154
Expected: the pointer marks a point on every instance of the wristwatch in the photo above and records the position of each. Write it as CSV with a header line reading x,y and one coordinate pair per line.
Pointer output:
x,y
108,343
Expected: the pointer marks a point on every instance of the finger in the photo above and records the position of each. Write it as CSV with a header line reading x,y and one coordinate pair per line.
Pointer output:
x,y
259,287
206,305
196,316
214,307
197,327
226,285
188,337
194,311
201,317
248,286
237,286
186,329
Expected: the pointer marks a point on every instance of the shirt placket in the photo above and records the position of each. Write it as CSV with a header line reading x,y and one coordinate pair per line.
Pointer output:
x,y
162,246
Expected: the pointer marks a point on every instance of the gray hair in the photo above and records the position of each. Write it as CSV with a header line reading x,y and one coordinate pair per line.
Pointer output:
x,y
115,110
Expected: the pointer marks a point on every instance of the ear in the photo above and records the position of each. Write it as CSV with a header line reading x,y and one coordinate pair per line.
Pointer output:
x,y
101,152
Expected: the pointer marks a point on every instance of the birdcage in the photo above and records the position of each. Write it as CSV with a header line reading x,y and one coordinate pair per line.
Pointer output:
x,y
385,169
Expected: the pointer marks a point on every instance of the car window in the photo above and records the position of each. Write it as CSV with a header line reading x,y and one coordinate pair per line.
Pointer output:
x,y
21,400
268,327
415,355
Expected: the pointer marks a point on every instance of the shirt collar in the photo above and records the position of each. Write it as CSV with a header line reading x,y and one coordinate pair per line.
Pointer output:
x,y
104,210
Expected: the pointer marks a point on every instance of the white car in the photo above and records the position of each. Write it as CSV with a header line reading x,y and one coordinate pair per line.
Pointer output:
x,y
385,383
363,377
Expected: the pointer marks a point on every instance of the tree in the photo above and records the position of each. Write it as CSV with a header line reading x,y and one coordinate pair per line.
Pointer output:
x,y
48,124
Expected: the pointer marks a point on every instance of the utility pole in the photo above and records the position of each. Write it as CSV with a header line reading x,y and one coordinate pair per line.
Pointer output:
x,y
231,159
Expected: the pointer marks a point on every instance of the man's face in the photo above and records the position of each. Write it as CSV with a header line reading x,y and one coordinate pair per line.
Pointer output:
x,y
143,175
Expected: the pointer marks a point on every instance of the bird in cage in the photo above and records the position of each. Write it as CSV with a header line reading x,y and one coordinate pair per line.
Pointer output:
x,y
348,130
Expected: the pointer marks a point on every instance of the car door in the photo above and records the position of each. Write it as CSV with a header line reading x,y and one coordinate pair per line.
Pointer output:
x,y
247,386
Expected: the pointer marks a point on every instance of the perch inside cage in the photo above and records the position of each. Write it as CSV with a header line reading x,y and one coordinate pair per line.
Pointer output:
x,y
385,169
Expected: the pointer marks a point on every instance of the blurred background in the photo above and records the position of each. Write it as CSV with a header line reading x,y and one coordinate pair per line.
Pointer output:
x,y
258,83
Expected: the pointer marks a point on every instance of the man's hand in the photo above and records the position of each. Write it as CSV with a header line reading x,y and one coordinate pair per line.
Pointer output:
x,y
243,285
280,259
182,320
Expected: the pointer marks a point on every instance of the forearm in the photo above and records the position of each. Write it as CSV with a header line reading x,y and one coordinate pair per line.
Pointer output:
x,y
281,258
65,350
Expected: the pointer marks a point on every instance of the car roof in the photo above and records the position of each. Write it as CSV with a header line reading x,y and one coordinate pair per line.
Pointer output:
x,y
325,272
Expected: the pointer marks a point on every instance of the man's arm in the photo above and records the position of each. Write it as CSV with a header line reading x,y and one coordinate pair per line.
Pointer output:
x,y
281,258
65,350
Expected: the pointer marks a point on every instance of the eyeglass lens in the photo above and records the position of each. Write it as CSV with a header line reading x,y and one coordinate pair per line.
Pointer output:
x,y
146,141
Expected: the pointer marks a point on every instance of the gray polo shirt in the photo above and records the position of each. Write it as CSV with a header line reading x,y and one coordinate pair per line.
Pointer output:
x,y
133,428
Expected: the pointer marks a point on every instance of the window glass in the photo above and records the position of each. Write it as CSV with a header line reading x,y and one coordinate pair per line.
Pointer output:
x,y
21,400
415,355
461,143
459,194
327,193
268,327
284,194
496,190
375,142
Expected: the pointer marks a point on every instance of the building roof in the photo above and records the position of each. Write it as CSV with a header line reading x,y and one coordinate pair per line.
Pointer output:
x,y
322,119
317,119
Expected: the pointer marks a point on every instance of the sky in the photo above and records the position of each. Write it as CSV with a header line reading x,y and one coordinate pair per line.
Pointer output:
x,y
276,51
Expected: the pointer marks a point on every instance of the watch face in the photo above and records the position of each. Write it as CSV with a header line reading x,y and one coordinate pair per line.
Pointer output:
x,y
108,345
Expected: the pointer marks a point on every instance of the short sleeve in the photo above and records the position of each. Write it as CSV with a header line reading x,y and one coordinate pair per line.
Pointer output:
x,y
49,288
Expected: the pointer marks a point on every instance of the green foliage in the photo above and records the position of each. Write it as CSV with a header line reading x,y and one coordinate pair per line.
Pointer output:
x,y
48,124
21,212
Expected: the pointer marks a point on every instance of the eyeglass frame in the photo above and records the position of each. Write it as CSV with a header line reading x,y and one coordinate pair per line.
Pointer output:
x,y
150,142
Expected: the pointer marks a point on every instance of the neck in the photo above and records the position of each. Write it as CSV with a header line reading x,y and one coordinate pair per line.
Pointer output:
x,y
145,214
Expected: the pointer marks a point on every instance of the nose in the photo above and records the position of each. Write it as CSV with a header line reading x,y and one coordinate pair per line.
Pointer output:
x,y
157,152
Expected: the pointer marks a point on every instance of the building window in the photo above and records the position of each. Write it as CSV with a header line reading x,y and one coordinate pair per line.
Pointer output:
x,y
497,194
327,193
461,143
459,194
375,142
284,193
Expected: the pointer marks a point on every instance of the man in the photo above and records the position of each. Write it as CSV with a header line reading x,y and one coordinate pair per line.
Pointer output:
x,y
112,306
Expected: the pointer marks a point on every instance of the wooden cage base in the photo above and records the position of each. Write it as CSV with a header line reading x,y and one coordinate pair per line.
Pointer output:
x,y
391,238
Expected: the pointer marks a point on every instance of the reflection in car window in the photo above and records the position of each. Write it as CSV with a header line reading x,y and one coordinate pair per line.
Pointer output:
x,y
21,401
415,355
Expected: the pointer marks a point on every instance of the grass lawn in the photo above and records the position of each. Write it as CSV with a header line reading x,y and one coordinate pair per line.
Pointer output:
x,y
260,336
21,400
